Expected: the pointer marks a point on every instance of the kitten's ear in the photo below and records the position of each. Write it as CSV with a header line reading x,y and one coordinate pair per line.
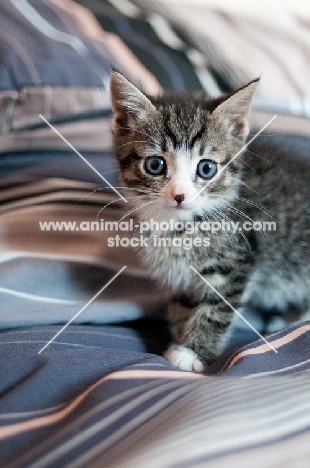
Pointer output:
x,y
236,108
127,101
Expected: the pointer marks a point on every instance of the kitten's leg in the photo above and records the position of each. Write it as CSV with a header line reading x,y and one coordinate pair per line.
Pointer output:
x,y
200,332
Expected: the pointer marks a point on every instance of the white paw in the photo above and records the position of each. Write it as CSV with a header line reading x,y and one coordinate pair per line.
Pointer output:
x,y
183,358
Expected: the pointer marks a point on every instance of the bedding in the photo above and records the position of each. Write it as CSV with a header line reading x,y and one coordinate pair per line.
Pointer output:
x,y
101,394
96,398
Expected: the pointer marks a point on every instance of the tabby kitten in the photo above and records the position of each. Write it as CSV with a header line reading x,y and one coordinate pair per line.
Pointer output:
x,y
176,159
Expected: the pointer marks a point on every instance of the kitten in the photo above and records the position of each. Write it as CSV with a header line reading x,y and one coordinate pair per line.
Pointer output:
x,y
176,154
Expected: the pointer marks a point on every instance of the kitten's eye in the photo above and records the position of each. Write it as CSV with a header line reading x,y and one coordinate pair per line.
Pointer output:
x,y
155,165
206,169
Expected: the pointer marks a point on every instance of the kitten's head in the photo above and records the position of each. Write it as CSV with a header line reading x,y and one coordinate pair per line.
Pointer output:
x,y
176,151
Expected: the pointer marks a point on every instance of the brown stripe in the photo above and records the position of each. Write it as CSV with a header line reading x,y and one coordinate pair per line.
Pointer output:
x,y
35,423
276,344
91,29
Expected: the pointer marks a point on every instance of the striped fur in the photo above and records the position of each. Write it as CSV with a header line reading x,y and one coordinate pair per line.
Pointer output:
x,y
185,130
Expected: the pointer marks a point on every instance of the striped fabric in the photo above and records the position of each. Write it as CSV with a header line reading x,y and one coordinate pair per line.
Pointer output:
x,y
86,403
57,64
100,395
58,61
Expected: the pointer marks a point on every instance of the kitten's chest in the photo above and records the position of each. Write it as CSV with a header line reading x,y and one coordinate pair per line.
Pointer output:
x,y
169,258
169,266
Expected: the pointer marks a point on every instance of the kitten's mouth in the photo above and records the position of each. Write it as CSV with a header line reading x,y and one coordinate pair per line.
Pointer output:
x,y
180,207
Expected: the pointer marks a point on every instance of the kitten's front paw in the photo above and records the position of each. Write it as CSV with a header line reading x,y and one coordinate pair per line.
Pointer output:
x,y
184,358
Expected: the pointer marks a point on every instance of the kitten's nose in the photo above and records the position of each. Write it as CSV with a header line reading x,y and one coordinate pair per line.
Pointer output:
x,y
179,198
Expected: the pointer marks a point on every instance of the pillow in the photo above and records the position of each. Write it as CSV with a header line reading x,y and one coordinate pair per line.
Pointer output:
x,y
57,63
59,59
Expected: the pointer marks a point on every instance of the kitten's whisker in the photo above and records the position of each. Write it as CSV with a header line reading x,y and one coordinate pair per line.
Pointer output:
x,y
156,133
114,201
109,172
239,230
133,210
136,208
245,239
255,154
264,134
267,212
148,189
143,190
90,193
239,213
150,211
246,185
250,167
226,234
136,131
130,142
130,188
205,214
107,204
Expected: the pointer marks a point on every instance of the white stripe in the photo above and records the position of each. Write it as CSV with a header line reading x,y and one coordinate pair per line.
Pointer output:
x,y
261,397
208,83
236,393
247,346
293,452
294,105
46,28
108,263
278,371
214,436
306,103
126,429
111,419
187,446
257,408
191,396
164,31
28,414
82,332
70,427
98,99
34,297
126,7
7,124
206,79
147,365
195,436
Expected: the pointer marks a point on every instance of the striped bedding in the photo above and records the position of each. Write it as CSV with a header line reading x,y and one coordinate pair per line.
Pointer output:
x,y
90,402
101,395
